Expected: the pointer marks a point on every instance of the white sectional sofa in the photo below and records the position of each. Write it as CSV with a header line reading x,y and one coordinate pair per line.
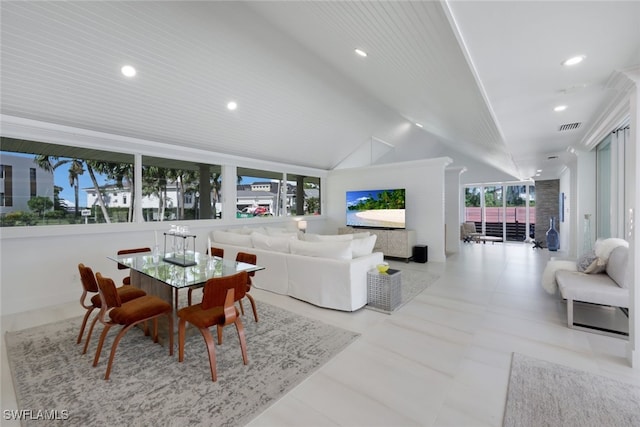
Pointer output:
x,y
327,271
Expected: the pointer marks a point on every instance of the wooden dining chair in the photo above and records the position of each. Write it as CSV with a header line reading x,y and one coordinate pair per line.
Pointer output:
x,y
249,259
217,308
90,286
217,252
128,314
127,280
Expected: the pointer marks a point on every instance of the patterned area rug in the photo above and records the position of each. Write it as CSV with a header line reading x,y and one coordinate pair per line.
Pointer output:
x,y
542,393
147,387
413,282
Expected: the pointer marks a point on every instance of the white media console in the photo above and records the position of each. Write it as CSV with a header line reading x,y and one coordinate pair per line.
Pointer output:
x,y
392,243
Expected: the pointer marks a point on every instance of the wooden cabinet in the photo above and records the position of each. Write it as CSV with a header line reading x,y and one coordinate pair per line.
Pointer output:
x,y
392,243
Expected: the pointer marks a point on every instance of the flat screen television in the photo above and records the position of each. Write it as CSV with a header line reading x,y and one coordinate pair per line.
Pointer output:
x,y
376,208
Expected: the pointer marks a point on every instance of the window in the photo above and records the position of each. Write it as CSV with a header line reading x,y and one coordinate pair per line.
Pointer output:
x,y
77,178
506,210
305,199
266,193
180,190
71,177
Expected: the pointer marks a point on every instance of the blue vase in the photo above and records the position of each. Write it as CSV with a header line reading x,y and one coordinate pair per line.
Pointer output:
x,y
553,242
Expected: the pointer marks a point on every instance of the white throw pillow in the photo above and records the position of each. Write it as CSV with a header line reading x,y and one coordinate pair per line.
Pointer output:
x,y
274,231
333,250
363,246
235,239
329,238
240,230
271,243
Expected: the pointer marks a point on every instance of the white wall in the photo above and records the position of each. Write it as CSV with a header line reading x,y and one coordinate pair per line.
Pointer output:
x,y
424,181
453,209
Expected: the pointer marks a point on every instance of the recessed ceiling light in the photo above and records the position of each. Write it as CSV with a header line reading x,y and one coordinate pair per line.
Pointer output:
x,y
560,108
574,60
539,170
361,52
419,125
232,105
128,71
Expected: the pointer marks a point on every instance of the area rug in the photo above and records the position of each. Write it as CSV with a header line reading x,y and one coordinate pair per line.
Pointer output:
x,y
542,393
413,282
147,387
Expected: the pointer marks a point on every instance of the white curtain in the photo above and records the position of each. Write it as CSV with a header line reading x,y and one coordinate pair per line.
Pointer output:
x,y
620,140
611,154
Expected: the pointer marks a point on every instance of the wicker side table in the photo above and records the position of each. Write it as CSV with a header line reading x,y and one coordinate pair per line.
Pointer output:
x,y
384,290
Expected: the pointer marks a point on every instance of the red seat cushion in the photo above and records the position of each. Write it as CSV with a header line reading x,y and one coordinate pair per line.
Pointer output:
x,y
139,309
195,315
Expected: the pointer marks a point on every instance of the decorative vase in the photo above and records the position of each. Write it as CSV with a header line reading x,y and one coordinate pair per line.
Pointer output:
x,y
553,243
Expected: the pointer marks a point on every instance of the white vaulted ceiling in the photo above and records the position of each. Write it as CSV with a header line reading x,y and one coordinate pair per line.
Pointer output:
x,y
481,77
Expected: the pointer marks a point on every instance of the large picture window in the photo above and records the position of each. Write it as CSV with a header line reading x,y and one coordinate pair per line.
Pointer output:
x,y
56,184
270,193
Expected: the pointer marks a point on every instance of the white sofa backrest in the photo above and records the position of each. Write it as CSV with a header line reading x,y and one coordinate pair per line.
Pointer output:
x,y
617,266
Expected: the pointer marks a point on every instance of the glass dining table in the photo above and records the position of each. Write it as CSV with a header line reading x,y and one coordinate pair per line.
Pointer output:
x,y
162,278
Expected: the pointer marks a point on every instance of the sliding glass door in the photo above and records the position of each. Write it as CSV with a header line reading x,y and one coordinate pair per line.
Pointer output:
x,y
505,210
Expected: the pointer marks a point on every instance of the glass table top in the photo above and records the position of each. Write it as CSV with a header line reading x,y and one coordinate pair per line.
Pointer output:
x,y
179,276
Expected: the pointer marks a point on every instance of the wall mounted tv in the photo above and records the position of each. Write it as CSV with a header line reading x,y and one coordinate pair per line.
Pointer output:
x,y
376,208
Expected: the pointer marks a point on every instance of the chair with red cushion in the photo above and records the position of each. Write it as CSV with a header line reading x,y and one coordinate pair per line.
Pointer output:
x,y
127,280
217,308
128,314
90,286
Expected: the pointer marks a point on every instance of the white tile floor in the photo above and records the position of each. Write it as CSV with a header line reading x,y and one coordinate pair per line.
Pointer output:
x,y
441,360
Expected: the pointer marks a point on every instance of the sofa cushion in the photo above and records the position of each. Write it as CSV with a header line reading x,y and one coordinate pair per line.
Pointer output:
x,y
594,288
585,261
247,230
617,266
271,243
363,246
334,250
235,239
275,231
329,237
597,266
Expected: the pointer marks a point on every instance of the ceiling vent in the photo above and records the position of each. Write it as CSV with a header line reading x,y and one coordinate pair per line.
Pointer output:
x,y
569,126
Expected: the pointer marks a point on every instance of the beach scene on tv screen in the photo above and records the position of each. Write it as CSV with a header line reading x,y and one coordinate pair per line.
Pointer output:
x,y
376,208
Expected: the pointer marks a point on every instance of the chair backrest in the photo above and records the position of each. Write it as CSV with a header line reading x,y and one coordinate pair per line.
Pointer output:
x,y
469,227
87,278
131,251
217,252
617,266
248,258
108,292
215,289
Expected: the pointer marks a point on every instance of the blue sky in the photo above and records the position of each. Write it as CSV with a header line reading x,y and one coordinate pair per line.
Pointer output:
x,y
354,196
